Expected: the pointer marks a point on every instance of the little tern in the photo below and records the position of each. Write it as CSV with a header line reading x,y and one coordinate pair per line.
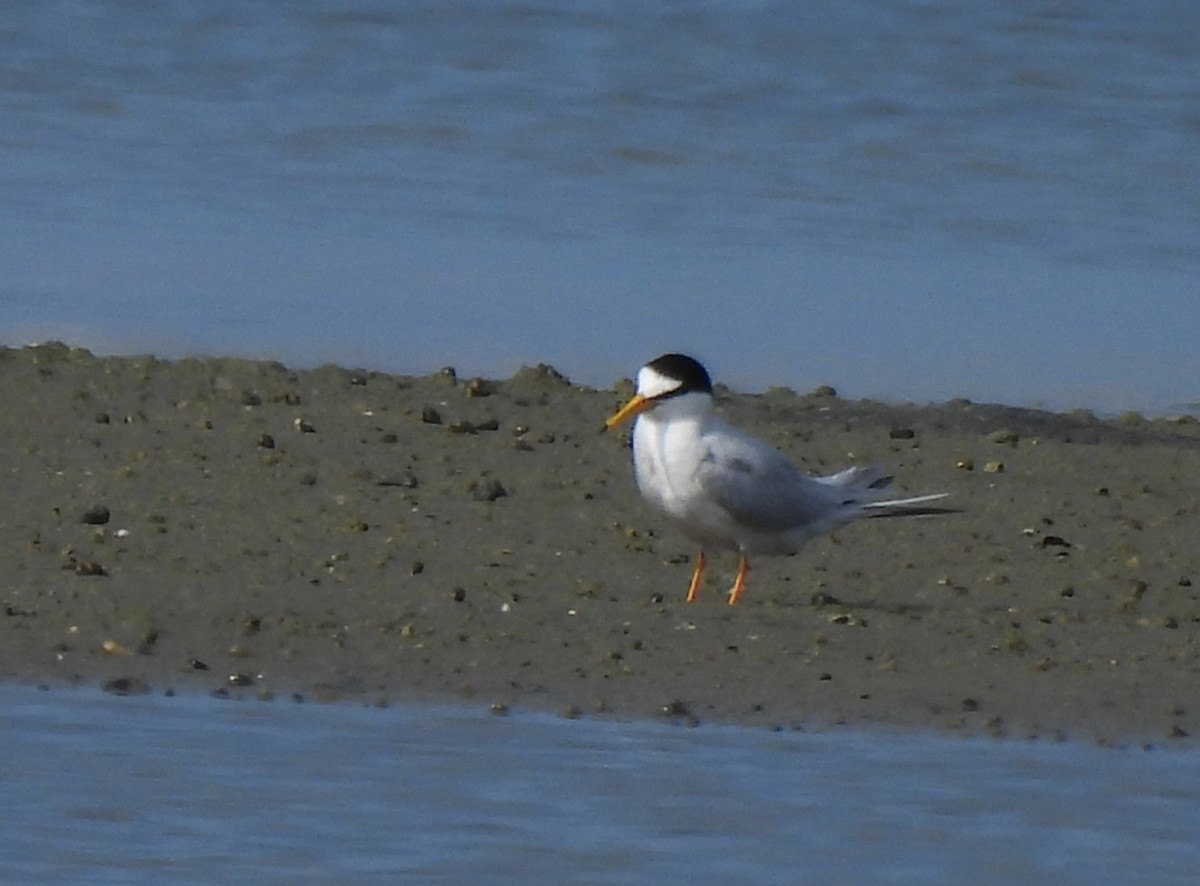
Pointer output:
x,y
725,489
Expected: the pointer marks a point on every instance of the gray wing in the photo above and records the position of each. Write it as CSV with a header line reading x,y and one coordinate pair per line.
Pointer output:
x,y
759,488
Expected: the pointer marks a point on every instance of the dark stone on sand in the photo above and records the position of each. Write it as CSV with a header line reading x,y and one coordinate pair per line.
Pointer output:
x,y
97,515
404,480
676,708
125,686
478,387
90,568
488,490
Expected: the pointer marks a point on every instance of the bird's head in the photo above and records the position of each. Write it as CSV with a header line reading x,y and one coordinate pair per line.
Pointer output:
x,y
663,379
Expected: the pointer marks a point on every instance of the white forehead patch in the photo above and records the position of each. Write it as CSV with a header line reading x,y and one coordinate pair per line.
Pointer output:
x,y
651,383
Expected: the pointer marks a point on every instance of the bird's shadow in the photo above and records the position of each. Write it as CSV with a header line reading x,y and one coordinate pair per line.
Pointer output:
x,y
823,600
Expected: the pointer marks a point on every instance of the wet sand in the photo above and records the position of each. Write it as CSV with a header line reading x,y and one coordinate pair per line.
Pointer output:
x,y
231,526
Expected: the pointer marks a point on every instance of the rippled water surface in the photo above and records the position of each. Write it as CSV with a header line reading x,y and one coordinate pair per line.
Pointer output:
x,y
904,199
191,789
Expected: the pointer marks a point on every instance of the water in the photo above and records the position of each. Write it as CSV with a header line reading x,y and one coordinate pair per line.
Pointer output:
x,y
906,200
192,790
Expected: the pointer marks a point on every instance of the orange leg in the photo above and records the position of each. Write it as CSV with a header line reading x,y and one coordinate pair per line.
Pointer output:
x,y
739,582
697,577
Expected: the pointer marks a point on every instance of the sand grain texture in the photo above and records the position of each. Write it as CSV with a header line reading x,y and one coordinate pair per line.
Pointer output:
x,y
236,526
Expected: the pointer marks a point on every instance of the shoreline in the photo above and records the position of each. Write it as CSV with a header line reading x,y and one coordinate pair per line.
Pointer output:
x,y
351,535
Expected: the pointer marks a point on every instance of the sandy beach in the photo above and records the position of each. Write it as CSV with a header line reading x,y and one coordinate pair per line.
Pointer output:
x,y
338,534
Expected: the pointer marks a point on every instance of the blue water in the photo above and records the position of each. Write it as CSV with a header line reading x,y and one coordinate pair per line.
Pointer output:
x,y
100,789
908,200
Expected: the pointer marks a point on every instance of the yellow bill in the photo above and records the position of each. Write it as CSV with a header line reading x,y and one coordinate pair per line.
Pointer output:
x,y
637,404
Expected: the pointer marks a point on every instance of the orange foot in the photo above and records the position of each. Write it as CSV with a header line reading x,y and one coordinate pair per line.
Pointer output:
x,y
739,582
697,577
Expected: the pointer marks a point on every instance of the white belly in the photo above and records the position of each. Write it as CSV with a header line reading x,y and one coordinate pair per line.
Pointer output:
x,y
671,485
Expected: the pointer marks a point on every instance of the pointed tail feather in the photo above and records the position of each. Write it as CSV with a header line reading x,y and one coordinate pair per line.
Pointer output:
x,y
907,507
866,481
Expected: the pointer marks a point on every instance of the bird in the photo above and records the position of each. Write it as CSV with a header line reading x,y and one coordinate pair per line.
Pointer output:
x,y
725,489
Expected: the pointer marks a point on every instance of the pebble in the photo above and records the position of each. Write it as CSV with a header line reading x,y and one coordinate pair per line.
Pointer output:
x,y
488,491
125,686
479,387
96,516
89,567
405,480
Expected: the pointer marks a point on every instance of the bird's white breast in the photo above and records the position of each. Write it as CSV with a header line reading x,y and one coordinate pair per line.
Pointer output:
x,y
667,457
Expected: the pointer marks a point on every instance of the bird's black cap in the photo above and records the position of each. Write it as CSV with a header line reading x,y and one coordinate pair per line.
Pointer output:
x,y
692,376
